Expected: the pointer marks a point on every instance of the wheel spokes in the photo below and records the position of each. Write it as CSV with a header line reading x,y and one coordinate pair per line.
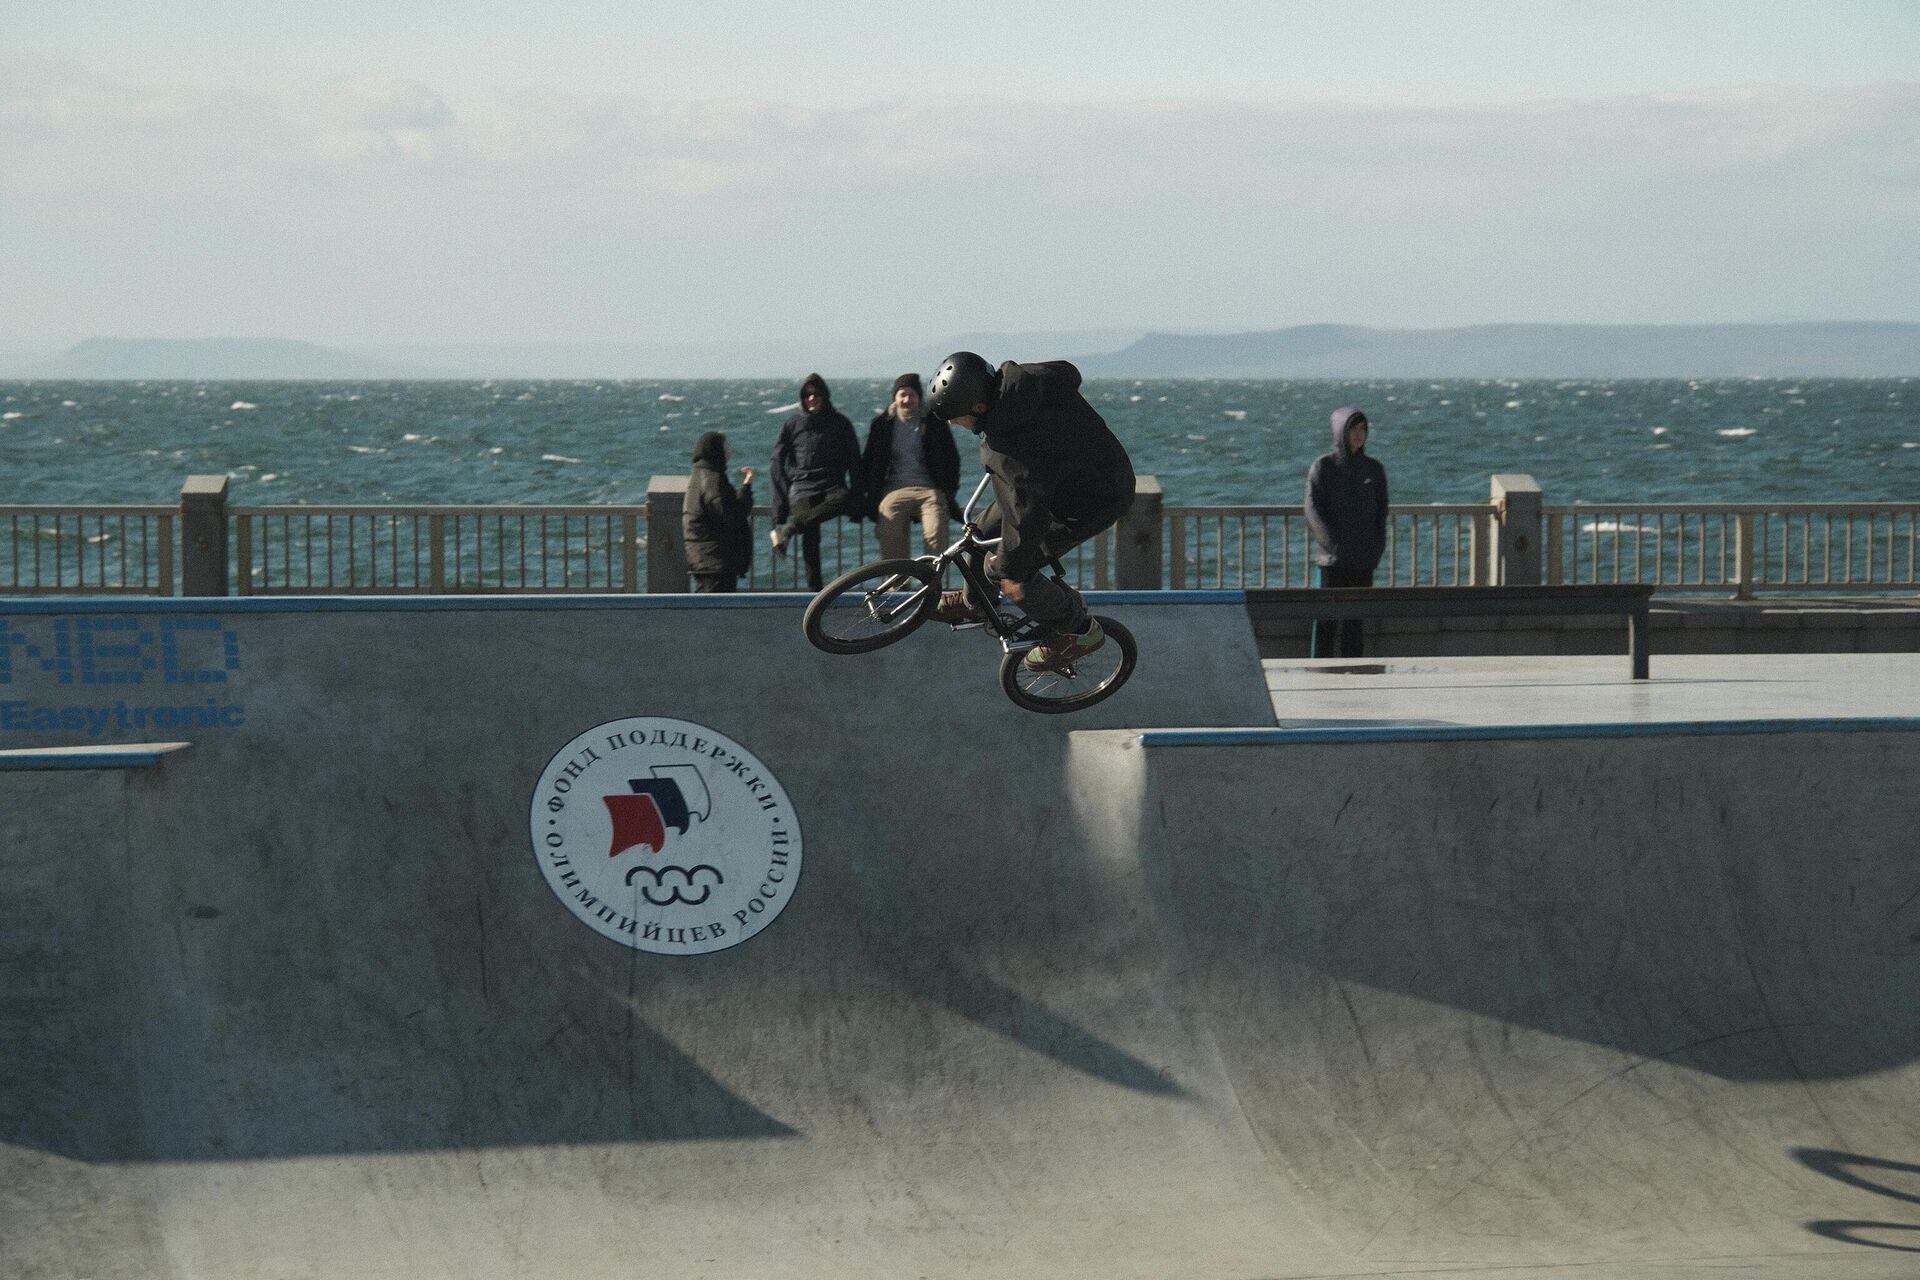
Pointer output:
x,y
876,611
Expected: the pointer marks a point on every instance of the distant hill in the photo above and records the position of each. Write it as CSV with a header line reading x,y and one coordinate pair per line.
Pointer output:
x,y
791,358
1809,350
224,358
1803,350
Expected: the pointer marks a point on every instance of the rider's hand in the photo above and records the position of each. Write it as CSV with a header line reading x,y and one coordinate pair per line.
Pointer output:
x,y
746,474
1013,591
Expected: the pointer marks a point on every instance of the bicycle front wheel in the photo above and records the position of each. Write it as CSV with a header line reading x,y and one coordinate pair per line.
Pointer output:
x,y
872,606
1092,679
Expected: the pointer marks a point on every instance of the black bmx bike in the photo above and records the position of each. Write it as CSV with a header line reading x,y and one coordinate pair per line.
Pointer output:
x,y
879,603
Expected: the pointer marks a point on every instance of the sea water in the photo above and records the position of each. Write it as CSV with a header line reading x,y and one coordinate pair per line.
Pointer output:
x,y
1209,442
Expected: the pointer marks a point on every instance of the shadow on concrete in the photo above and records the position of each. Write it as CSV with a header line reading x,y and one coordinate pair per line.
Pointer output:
x,y
390,1096
1866,1173
954,984
1850,1231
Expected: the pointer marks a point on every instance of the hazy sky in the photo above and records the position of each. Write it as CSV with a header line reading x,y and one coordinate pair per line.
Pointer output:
x,y
359,173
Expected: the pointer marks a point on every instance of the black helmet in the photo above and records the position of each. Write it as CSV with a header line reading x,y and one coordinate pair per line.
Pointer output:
x,y
962,381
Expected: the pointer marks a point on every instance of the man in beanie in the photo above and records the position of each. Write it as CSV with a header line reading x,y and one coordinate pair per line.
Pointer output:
x,y
816,463
910,468
1347,513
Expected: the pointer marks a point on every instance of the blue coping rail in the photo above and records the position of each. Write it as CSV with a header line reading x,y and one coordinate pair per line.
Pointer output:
x,y
123,755
1155,738
30,605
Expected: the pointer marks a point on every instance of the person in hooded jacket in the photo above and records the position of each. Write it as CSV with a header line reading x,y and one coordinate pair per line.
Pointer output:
x,y
816,465
716,522
1059,477
909,467
1347,514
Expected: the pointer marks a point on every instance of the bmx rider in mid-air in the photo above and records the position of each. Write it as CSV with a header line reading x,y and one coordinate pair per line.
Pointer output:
x,y
1059,477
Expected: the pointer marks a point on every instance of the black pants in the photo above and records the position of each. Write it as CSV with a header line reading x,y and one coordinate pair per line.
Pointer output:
x,y
714,583
1339,639
808,514
1055,604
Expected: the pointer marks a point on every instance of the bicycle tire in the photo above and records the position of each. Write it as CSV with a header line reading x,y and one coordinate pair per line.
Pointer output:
x,y
1078,697
832,606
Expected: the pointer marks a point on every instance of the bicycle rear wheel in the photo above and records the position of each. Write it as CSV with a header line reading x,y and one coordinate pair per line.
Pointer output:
x,y
1092,679
872,606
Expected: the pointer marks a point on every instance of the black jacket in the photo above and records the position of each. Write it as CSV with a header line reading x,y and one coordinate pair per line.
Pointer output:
x,y
936,442
1347,504
1052,458
815,454
715,522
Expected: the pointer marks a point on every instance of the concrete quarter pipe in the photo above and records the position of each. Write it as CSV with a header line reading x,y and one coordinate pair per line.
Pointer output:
x,y
1048,998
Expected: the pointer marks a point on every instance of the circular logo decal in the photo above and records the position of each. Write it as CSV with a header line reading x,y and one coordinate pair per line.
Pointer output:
x,y
666,836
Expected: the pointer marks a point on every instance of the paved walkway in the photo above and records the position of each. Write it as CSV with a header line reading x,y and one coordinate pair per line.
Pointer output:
x,y
1596,690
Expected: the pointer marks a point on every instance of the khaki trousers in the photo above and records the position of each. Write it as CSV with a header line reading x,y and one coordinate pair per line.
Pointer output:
x,y
896,512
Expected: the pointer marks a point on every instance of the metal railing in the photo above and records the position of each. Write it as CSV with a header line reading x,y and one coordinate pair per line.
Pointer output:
x,y
88,550
845,544
1740,548
1243,547
437,550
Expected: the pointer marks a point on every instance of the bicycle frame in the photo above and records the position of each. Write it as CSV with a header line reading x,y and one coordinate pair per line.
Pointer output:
x,y
1015,637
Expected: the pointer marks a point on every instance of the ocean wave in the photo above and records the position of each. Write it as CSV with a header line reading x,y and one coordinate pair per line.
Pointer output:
x,y
669,396
363,448
241,404
557,457
785,408
1737,433
1618,526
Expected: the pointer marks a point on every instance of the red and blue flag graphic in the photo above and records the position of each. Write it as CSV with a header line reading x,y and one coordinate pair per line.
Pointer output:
x,y
675,797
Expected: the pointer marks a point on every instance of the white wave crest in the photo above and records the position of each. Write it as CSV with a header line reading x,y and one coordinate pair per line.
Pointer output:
x,y
1737,433
557,457
241,404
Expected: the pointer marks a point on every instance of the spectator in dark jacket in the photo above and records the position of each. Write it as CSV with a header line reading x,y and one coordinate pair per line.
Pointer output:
x,y
1347,512
816,462
716,524
910,468
1060,476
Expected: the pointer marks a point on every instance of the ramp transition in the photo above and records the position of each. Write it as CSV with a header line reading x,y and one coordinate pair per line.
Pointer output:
x,y
1050,998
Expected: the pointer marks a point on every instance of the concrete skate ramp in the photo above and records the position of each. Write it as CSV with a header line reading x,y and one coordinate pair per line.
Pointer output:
x,y
1635,995
1045,1003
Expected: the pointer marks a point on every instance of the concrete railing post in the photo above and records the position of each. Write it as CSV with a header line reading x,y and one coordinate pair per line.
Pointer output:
x,y
1137,538
1745,571
1516,554
203,533
666,557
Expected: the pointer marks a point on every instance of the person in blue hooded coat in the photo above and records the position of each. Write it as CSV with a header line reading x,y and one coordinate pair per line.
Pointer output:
x,y
1347,513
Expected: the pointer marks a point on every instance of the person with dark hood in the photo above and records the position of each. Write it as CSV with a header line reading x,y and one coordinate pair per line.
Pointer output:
x,y
1059,477
816,464
909,468
1347,513
716,522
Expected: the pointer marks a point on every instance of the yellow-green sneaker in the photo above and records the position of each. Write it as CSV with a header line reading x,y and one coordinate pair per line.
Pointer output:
x,y
1065,649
